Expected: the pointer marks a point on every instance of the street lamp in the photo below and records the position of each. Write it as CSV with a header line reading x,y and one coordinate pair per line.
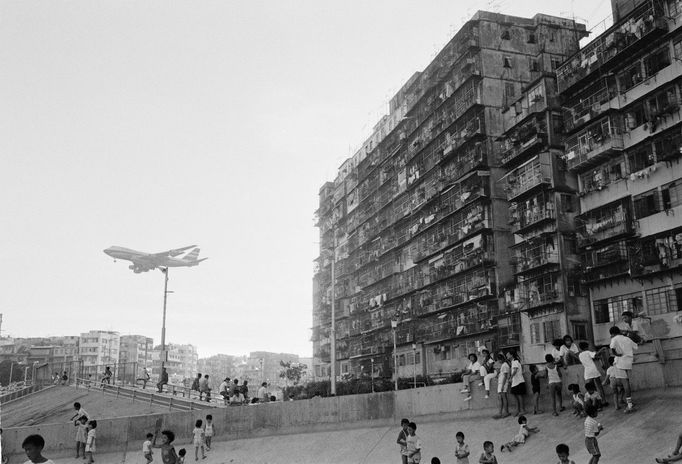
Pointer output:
x,y
372,373
414,364
164,356
394,326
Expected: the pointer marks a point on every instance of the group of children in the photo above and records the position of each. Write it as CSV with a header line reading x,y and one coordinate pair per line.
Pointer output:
x,y
411,445
86,433
202,434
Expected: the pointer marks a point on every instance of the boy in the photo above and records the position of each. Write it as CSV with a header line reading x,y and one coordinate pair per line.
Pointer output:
x,y
520,438
592,374
623,348
615,383
488,457
554,383
33,447
461,449
208,431
414,445
80,412
562,453
578,400
592,429
402,439
592,396
147,448
168,455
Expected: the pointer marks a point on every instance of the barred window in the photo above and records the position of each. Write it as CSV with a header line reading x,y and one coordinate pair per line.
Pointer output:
x,y
647,203
535,337
579,331
660,301
552,330
610,309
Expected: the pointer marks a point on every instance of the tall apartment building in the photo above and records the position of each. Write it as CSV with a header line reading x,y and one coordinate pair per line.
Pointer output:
x,y
183,360
415,228
546,293
137,349
99,347
622,95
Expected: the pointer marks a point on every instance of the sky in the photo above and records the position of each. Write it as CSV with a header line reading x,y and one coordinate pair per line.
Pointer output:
x,y
160,124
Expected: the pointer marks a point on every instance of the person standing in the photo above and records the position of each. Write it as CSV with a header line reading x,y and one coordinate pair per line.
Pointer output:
x,y
502,386
163,380
518,383
263,395
224,389
402,439
623,348
196,384
203,387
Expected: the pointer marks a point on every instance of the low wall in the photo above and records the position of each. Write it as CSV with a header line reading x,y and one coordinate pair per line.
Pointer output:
x,y
316,414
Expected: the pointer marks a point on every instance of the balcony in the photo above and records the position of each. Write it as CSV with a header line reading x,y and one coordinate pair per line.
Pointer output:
x,y
525,178
655,255
528,137
594,144
606,262
527,218
643,24
606,223
589,107
533,257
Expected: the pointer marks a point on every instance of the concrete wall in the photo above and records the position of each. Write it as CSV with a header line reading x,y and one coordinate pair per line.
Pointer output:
x,y
375,409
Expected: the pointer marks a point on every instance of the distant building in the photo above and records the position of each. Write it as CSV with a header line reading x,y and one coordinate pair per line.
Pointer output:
x,y
218,367
264,366
137,349
99,348
182,362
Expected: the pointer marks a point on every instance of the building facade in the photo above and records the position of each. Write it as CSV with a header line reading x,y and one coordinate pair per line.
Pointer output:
x,y
137,349
182,362
414,231
621,96
99,347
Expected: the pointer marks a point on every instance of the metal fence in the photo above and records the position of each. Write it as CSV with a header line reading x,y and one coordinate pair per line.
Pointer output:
x,y
121,373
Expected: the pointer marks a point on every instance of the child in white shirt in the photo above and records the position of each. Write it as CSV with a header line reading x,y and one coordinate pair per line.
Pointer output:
x,y
147,448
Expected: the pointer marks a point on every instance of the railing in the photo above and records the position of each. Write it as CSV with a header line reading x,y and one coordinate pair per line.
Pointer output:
x,y
589,107
533,258
527,177
7,396
596,226
592,144
635,29
530,217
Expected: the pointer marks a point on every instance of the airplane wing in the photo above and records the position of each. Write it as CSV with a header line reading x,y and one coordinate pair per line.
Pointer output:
x,y
171,253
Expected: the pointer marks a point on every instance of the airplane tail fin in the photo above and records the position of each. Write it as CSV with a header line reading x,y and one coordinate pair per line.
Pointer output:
x,y
192,255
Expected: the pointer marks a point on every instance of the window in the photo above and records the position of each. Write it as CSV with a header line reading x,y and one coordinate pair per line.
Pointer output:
x,y
535,338
630,77
579,330
647,203
660,301
507,62
401,360
677,49
505,34
674,7
657,61
635,117
509,91
555,62
640,158
418,357
567,203
552,330
531,37
610,309
536,94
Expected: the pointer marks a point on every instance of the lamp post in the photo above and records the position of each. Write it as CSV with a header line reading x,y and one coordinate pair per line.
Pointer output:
x,y
394,326
163,325
414,364
372,373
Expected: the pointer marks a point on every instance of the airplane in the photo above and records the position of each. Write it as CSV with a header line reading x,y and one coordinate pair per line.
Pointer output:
x,y
143,262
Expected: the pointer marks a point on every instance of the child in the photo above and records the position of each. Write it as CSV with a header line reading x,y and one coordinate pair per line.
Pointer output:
x,y
562,453
461,450
676,455
198,433
519,438
81,435
535,384
147,448
168,455
208,431
554,384
592,396
181,456
502,385
33,447
414,445
592,429
592,374
488,457
402,439
90,442
578,400
80,412
613,379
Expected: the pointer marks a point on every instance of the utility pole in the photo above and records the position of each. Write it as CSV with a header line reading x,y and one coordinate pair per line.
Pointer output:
x,y
163,325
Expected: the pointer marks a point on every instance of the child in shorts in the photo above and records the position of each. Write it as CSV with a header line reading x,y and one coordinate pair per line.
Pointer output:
x,y
147,448
578,400
208,431
554,384
90,442
198,433
414,445
592,429
81,435
535,376
614,378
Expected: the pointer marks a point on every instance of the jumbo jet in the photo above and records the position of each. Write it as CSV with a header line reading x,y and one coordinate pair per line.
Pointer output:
x,y
143,262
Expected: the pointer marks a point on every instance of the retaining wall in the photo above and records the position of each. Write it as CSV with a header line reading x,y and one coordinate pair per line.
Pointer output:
x,y
316,414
